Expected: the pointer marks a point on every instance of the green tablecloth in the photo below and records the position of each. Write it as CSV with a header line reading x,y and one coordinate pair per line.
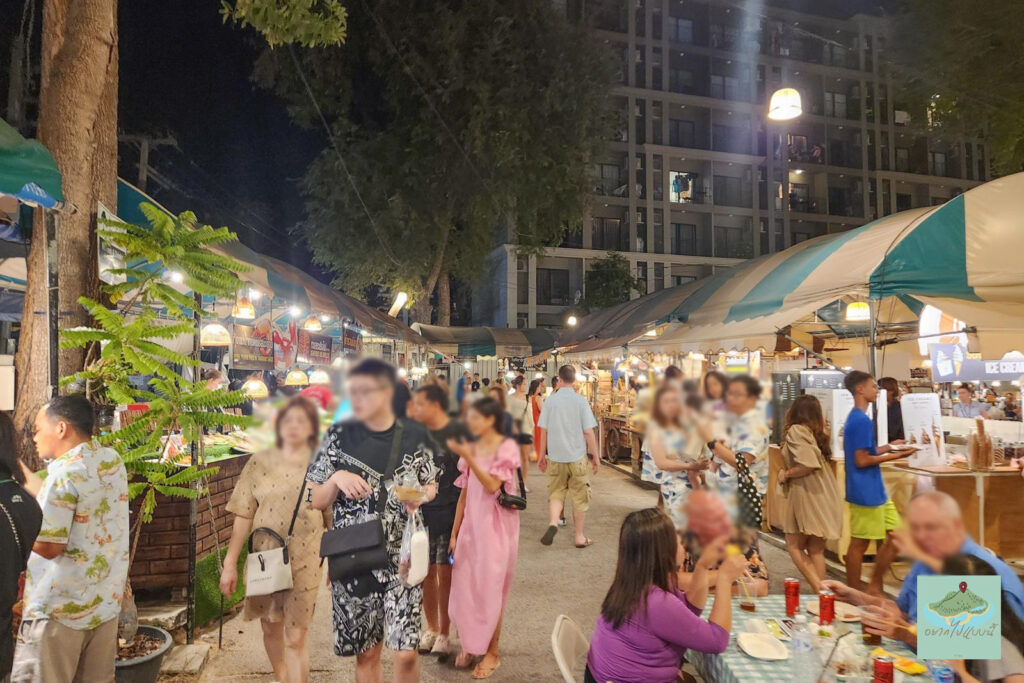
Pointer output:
x,y
734,666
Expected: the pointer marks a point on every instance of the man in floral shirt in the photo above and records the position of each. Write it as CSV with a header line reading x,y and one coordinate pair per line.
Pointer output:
x,y
76,575
375,610
742,473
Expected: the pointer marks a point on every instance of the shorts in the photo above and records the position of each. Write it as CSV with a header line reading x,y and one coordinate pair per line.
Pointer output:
x,y
873,523
439,529
391,613
47,650
570,479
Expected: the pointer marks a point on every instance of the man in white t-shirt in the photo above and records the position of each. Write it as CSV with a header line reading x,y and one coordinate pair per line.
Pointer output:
x,y
567,440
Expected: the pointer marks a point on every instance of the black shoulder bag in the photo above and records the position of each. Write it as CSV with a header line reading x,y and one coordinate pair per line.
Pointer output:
x,y
354,551
511,500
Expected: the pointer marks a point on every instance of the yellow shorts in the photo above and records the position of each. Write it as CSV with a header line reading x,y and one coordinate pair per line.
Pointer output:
x,y
873,523
572,478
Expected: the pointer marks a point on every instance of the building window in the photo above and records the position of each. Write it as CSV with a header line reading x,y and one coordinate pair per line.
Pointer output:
x,y
680,80
731,191
682,279
659,276
683,187
733,242
684,239
608,181
552,287
680,133
903,159
641,274
937,163
522,320
680,30
835,104
729,139
608,234
728,88
904,202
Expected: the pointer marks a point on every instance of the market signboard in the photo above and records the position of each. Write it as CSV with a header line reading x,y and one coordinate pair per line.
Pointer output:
x,y
950,363
352,342
313,348
252,347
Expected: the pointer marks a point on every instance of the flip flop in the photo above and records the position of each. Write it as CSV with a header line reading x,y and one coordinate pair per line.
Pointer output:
x,y
481,673
586,544
549,535
468,663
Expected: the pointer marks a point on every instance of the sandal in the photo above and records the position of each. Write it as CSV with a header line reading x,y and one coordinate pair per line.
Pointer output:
x,y
464,660
586,543
480,672
549,535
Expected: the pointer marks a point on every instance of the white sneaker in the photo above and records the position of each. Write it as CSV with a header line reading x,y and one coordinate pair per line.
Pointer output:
x,y
427,641
442,648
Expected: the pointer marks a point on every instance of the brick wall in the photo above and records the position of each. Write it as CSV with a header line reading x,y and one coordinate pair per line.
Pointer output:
x,y
162,558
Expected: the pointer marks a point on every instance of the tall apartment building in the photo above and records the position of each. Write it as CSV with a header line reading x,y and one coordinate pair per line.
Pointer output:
x,y
698,178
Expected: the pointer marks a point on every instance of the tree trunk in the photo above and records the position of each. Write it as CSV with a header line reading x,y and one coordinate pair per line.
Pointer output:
x,y
421,310
78,124
444,299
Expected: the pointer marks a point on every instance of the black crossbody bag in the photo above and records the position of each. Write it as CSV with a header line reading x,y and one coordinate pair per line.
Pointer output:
x,y
513,501
355,551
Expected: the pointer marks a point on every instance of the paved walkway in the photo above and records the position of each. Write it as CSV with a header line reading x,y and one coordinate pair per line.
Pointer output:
x,y
559,579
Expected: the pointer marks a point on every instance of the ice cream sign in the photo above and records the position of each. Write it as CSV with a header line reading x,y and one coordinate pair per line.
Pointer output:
x,y
950,363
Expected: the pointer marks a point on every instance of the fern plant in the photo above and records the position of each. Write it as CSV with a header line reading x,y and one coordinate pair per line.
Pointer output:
x,y
125,341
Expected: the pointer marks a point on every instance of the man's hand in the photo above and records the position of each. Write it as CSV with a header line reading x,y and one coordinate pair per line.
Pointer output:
x,y
542,463
429,491
885,620
842,591
351,485
731,568
595,462
699,466
713,553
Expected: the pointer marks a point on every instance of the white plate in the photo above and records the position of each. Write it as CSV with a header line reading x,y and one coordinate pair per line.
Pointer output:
x,y
762,646
845,612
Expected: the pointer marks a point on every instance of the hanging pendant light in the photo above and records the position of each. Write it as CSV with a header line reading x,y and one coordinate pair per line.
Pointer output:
x,y
244,310
255,388
312,324
296,378
858,312
214,334
319,377
785,105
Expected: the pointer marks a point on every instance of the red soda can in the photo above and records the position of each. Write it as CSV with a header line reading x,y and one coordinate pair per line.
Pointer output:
x,y
883,670
826,607
792,597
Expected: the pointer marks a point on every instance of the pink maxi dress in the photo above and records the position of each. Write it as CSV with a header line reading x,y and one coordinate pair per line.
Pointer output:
x,y
485,553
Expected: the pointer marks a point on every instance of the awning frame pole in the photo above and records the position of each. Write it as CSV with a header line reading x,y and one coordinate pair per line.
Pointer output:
x,y
50,218
809,351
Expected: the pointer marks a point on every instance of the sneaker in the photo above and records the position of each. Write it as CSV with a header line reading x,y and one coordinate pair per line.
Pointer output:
x,y
427,641
561,522
442,648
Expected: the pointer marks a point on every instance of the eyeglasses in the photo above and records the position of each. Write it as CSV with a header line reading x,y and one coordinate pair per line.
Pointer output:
x,y
363,393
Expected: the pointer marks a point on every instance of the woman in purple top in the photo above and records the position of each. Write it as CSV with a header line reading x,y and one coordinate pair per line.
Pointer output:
x,y
647,624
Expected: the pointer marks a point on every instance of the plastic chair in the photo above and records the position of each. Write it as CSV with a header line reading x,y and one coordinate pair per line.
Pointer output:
x,y
568,644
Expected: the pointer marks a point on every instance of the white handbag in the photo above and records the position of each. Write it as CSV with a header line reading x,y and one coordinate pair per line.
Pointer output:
x,y
270,571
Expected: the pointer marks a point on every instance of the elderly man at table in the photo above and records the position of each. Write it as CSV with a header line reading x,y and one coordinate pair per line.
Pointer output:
x,y
936,533
708,519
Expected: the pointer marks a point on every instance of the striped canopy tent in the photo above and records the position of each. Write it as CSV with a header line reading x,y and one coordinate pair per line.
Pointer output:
x,y
960,257
471,342
287,284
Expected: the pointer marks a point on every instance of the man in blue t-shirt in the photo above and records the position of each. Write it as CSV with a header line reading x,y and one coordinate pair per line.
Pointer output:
x,y
872,515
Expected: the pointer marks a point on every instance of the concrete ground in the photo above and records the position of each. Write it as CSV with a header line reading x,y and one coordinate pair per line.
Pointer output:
x,y
549,581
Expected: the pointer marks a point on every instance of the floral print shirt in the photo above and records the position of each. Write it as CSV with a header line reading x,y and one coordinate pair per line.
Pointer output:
x,y
84,500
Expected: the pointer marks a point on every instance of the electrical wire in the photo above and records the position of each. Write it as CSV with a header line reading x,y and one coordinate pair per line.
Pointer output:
x,y
341,160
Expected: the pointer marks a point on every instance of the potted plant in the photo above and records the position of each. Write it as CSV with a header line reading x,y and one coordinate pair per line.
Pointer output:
x,y
125,342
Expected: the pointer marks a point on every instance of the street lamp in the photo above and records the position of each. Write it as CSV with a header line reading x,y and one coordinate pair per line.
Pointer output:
x,y
785,105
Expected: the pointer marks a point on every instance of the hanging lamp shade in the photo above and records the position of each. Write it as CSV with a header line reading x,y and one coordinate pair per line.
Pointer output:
x,y
296,378
255,388
214,334
785,105
858,311
312,324
319,377
244,310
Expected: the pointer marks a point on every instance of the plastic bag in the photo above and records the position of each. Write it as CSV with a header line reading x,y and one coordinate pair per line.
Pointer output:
x,y
409,490
414,557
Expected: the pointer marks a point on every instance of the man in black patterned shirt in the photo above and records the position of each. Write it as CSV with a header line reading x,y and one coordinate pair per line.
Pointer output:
x,y
348,470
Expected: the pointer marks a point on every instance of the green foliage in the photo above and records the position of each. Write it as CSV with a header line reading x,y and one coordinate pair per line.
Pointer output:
x,y
461,123
126,341
958,65
609,282
309,23
208,586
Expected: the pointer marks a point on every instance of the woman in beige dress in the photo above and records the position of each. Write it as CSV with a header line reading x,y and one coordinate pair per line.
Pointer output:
x,y
813,514
266,496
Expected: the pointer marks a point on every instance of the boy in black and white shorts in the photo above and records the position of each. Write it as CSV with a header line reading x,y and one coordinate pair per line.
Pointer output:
x,y
430,408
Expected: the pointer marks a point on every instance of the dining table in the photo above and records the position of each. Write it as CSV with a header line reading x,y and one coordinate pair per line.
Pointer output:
x,y
735,666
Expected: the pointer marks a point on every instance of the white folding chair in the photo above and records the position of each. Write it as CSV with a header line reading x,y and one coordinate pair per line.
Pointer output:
x,y
569,644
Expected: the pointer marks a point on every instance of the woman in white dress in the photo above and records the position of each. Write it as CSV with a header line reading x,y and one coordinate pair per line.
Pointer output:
x,y
675,462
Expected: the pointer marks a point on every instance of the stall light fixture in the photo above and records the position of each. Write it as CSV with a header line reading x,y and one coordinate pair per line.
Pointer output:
x,y
510,375
785,105
400,300
927,362
365,333
176,276
402,372
255,388
312,324
538,375
651,333
244,310
858,311
294,311
324,318
296,378
319,376
255,294
571,321
214,334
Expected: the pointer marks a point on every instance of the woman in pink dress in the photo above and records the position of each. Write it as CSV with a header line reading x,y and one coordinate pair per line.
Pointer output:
x,y
485,536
